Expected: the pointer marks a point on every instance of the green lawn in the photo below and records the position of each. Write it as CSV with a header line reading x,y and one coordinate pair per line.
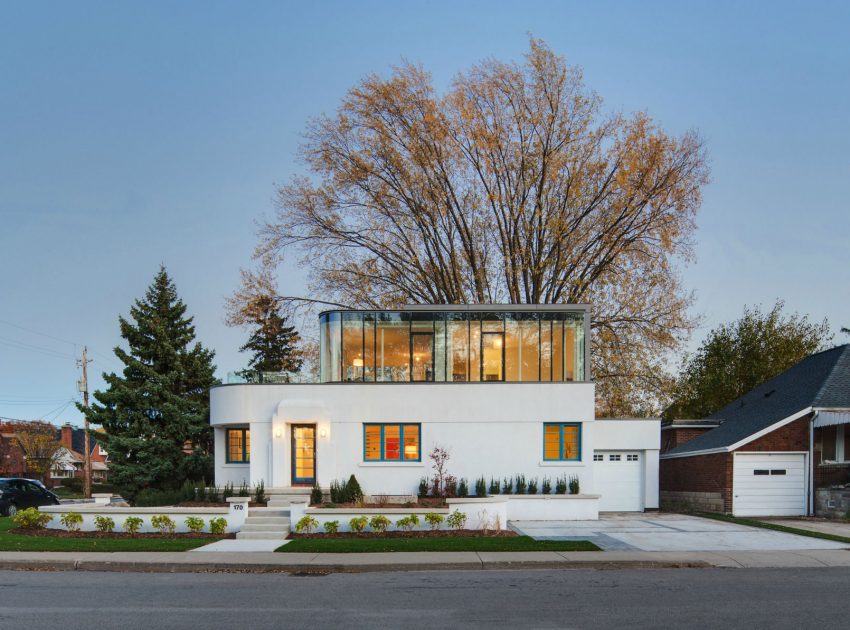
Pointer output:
x,y
460,543
774,526
17,542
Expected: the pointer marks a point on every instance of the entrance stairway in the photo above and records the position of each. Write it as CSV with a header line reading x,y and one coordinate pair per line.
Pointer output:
x,y
272,522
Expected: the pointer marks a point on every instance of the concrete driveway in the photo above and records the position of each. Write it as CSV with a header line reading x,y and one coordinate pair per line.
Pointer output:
x,y
669,532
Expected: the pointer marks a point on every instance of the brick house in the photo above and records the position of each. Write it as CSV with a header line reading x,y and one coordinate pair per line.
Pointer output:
x,y
70,461
782,449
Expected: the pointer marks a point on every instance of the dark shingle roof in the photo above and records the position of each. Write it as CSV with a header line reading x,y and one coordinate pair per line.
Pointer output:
x,y
78,439
820,380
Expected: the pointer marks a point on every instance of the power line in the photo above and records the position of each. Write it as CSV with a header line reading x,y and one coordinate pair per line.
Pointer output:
x,y
35,332
18,345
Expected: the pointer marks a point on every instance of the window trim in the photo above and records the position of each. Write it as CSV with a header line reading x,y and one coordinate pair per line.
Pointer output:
x,y
246,454
561,457
401,426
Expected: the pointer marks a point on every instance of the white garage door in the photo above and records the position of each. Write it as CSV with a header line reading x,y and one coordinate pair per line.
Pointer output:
x,y
769,484
619,480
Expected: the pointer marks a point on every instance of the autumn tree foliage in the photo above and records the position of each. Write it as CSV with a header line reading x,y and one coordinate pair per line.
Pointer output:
x,y
40,445
512,186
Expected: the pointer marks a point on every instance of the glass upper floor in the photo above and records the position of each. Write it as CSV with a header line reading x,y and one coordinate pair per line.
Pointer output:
x,y
468,343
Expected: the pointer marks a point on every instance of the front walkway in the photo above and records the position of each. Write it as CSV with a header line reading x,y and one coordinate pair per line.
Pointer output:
x,y
670,532
822,525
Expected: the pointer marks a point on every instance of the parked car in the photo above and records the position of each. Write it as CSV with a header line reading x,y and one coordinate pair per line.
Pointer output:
x,y
18,494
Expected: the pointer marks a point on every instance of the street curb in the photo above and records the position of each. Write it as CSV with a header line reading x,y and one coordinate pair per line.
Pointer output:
x,y
322,569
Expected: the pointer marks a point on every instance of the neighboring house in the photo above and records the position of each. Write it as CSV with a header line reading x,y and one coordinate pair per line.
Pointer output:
x,y
782,449
70,461
12,460
505,388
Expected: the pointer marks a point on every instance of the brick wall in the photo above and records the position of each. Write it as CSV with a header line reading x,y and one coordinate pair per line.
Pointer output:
x,y
671,438
791,437
702,474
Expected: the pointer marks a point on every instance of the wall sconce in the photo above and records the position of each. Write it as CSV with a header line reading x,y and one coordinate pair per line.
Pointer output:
x,y
323,433
278,433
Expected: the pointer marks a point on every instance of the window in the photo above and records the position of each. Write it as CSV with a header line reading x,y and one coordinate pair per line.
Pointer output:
x,y
759,471
613,458
561,442
391,442
238,446
776,471
631,458
598,458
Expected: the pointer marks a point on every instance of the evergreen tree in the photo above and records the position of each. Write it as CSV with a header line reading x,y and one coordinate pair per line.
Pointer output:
x,y
156,414
272,343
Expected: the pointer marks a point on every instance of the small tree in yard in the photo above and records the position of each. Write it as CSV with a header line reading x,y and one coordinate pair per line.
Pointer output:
x,y
442,482
39,444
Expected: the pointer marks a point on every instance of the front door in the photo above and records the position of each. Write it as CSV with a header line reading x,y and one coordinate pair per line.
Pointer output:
x,y
303,454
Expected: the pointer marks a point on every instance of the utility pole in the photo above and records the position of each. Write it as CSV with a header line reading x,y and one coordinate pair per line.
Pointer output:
x,y
84,387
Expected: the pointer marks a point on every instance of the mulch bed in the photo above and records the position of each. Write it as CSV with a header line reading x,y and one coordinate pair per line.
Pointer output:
x,y
420,503
195,504
61,533
439,533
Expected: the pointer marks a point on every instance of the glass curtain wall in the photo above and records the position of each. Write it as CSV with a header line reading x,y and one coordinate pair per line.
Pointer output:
x,y
452,347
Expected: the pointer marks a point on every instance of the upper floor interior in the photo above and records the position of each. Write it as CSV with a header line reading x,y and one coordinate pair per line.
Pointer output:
x,y
456,343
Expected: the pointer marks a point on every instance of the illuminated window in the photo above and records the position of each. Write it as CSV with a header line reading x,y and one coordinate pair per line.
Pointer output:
x,y
562,441
238,446
391,442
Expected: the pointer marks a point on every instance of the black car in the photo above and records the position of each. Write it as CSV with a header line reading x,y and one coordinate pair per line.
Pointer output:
x,y
19,494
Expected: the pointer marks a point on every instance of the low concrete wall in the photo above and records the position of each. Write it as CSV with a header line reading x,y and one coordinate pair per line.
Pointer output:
x,y
553,507
678,501
832,502
235,515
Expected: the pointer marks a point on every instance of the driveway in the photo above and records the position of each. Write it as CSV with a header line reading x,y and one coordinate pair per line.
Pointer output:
x,y
669,532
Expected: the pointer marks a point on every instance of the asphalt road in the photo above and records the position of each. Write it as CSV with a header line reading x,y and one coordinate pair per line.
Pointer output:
x,y
649,598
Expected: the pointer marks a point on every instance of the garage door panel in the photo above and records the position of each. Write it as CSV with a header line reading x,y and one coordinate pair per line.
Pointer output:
x,y
768,493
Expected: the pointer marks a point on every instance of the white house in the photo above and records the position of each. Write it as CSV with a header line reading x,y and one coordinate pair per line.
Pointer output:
x,y
505,388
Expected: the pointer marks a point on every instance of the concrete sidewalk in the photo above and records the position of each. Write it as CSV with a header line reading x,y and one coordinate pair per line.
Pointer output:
x,y
263,562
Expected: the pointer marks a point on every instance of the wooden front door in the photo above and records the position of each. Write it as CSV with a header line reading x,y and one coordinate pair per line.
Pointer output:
x,y
303,454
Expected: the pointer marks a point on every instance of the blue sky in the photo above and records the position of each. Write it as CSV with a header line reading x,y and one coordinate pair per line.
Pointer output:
x,y
138,134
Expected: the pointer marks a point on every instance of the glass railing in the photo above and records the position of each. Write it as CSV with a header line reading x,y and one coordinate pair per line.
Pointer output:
x,y
269,378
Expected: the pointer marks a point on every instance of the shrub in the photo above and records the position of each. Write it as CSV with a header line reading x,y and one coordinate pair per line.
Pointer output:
x,y
434,520
336,491
407,523
494,486
439,460
306,524
358,523
163,523
561,485
153,497
456,520
574,486
104,524
532,485
331,527
520,484
244,491
547,486
423,488
481,487
379,523
132,524
72,521
316,495
195,524
228,491
260,492
218,525
74,484
507,485
450,486
31,518
353,492
214,494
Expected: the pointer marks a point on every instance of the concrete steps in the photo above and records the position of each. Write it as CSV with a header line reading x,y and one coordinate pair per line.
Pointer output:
x,y
265,524
282,497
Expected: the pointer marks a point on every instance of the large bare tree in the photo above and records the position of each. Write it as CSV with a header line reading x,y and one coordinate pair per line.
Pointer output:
x,y
513,186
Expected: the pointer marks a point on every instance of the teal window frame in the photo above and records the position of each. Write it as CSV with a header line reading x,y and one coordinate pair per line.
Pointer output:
x,y
401,426
246,455
561,426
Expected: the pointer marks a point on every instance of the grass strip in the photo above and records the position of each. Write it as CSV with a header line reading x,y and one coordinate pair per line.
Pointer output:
x,y
460,543
774,526
18,542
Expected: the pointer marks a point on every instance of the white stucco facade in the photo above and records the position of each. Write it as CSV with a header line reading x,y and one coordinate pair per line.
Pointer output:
x,y
493,430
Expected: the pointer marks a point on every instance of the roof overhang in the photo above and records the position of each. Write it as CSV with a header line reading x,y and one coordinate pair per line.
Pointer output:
x,y
831,418
750,438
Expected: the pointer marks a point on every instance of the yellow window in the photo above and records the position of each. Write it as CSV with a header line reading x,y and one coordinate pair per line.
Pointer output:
x,y
392,441
562,441
552,441
411,441
373,442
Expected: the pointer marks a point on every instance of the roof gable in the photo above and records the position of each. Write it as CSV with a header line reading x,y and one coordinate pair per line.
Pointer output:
x,y
820,380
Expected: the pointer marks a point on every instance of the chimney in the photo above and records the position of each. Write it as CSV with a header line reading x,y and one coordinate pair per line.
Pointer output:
x,y
67,433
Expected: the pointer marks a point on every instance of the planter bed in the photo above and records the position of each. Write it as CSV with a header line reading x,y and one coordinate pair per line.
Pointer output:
x,y
438,533
62,533
421,504
196,504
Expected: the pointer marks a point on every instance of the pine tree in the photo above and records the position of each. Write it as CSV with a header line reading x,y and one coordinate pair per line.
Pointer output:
x,y
156,414
272,343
